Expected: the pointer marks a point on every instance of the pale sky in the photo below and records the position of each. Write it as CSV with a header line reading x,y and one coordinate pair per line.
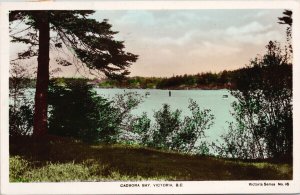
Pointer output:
x,y
176,42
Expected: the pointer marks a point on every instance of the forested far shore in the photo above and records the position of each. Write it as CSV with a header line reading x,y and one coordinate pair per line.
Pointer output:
x,y
206,81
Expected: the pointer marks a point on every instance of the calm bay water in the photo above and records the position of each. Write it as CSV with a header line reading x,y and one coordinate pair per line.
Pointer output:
x,y
210,99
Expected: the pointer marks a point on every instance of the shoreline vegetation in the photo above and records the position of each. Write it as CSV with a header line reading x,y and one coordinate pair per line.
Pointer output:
x,y
201,81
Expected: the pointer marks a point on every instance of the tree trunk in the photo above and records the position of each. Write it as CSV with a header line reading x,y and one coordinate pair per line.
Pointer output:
x,y
40,127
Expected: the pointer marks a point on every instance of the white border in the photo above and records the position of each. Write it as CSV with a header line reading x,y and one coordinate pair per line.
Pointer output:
x,y
191,187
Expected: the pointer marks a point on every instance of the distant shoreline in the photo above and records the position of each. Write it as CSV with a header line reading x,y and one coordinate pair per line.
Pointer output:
x,y
171,88
195,88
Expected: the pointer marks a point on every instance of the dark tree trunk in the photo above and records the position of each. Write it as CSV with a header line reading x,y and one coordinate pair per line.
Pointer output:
x,y
41,105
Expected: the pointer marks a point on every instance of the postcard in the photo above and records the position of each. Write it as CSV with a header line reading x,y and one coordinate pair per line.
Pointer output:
x,y
150,97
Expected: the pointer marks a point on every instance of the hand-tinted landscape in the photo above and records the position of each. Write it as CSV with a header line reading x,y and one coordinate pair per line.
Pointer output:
x,y
150,95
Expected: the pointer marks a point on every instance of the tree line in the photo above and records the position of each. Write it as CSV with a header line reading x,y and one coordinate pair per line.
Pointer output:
x,y
208,80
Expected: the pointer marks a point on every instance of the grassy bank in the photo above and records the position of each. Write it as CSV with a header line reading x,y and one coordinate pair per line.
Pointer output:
x,y
58,159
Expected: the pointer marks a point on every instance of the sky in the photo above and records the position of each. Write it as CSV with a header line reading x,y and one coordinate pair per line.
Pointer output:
x,y
191,41
176,42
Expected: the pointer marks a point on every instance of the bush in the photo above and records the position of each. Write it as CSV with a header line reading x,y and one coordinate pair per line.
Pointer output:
x,y
171,132
193,129
167,123
77,111
20,105
20,120
142,127
124,104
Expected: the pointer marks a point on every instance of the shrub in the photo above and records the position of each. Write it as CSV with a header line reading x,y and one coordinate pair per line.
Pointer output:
x,y
77,111
20,105
167,123
124,104
142,127
170,131
193,129
20,120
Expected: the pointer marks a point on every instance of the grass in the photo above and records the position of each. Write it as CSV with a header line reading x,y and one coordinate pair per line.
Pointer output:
x,y
60,159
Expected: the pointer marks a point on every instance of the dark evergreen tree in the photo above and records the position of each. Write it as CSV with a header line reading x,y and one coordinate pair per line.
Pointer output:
x,y
90,118
91,41
287,19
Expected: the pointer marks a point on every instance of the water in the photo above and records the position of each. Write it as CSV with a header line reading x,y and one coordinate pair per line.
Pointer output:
x,y
210,99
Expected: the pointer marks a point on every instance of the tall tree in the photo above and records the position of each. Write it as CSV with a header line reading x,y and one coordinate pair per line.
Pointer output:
x,y
90,41
287,19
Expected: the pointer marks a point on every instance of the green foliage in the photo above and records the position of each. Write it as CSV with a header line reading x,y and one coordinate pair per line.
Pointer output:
x,y
167,123
141,126
263,111
24,82
124,104
20,106
193,129
203,148
108,84
17,167
76,111
21,119
173,132
131,82
206,80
